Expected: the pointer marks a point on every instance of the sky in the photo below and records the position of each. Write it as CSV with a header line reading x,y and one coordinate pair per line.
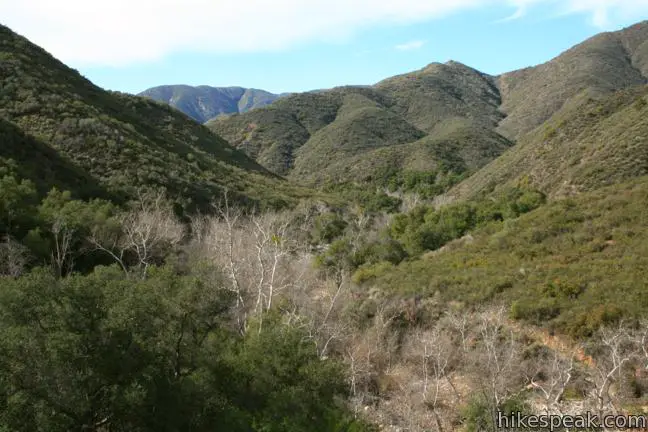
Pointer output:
x,y
300,45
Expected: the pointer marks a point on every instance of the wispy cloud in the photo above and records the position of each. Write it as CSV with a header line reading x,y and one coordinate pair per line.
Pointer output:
x,y
123,32
600,13
521,9
520,12
411,45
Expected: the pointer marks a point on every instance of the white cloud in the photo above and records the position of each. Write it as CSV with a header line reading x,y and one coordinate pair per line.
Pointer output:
x,y
603,13
411,45
121,32
521,8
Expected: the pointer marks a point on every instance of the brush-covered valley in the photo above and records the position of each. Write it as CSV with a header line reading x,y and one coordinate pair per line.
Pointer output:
x,y
416,255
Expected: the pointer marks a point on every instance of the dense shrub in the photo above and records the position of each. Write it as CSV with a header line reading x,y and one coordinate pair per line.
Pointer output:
x,y
103,351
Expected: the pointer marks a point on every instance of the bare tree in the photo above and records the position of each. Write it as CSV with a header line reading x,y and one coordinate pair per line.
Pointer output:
x,y
358,357
360,221
613,347
221,239
438,351
257,253
13,257
274,249
326,329
146,233
410,201
459,321
369,354
496,360
110,241
643,341
62,251
551,379
151,229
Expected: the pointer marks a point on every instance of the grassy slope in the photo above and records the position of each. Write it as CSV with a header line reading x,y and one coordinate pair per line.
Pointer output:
x,y
580,148
575,263
272,135
572,264
360,125
122,141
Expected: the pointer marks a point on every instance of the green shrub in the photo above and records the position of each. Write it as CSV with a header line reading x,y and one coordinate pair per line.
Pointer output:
x,y
479,415
368,272
327,227
640,103
155,355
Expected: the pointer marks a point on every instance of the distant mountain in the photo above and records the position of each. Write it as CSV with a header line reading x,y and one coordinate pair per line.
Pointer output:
x,y
203,103
58,129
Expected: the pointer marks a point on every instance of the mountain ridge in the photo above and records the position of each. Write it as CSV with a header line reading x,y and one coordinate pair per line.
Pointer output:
x,y
303,135
599,65
431,99
203,102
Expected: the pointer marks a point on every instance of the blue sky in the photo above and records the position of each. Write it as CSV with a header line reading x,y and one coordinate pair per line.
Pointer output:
x,y
294,45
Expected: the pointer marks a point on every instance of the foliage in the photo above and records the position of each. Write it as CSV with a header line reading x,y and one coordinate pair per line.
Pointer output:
x,y
427,229
478,415
327,227
104,352
426,184
571,265
52,227
17,202
32,159
370,200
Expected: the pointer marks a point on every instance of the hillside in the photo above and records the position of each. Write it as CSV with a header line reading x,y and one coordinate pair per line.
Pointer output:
x,y
569,265
121,141
603,64
581,148
458,146
441,92
203,103
34,160
315,136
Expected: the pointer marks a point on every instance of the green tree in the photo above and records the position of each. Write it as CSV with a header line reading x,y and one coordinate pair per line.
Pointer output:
x,y
18,199
104,352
